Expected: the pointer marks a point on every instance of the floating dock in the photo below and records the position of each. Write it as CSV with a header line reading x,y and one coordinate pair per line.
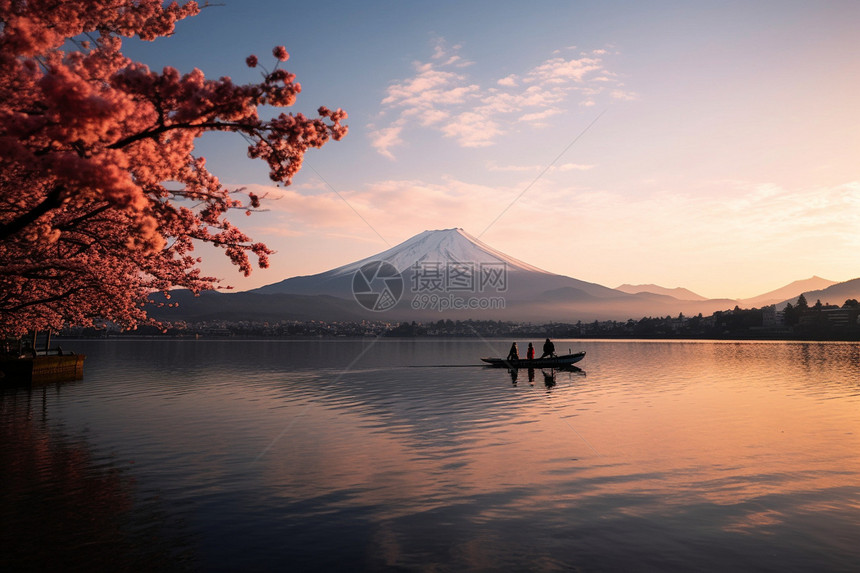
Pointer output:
x,y
41,369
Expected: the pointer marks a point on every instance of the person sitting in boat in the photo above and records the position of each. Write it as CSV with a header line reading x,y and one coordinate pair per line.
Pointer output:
x,y
530,353
514,354
548,349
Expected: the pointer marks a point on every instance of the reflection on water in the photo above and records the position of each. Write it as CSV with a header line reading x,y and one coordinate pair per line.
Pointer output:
x,y
344,455
548,374
65,507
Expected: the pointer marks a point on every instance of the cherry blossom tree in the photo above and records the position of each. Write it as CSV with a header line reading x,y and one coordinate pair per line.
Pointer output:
x,y
101,197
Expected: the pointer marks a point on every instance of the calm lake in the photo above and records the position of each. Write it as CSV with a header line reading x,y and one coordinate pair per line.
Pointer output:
x,y
350,455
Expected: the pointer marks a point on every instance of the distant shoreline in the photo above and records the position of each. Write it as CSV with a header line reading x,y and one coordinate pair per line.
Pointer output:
x,y
523,336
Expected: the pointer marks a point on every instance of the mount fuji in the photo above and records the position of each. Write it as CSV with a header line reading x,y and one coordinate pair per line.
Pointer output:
x,y
445,264
529,293
441,250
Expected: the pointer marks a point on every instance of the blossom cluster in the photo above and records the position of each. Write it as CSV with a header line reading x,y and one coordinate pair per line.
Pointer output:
x,y
102,199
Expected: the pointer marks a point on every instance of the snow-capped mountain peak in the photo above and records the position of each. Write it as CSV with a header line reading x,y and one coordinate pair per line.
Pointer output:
x,y
440,246
411,258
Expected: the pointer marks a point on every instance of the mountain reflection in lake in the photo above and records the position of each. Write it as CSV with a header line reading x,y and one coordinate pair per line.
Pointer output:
x,y
366,455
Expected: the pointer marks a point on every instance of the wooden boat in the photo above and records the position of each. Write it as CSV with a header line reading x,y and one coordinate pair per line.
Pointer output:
x,y
551,362
42,369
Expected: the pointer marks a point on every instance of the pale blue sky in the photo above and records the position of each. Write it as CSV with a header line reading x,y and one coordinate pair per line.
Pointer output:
x,y
724,159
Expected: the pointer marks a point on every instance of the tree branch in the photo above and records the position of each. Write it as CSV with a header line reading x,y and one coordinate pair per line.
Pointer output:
x,y
51,201
54,298
153,133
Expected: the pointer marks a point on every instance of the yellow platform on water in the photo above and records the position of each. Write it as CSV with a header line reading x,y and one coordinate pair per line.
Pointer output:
x,y
42,369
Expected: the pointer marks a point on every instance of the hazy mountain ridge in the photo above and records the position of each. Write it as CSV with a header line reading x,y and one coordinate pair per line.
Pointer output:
x,y
529,293
792,290
836,293
677,292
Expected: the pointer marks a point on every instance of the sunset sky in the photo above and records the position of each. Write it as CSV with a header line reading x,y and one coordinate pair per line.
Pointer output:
x,y
713,146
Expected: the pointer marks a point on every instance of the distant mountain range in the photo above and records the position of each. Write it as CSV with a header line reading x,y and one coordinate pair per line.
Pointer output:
x,y
678,292
778,296
836,293
442,268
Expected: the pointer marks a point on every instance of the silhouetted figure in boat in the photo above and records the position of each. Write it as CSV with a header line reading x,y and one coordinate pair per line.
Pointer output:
x,y
548,349
514,353
530,353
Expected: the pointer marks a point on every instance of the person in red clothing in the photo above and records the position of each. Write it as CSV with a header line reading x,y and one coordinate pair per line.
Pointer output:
x,y
530,353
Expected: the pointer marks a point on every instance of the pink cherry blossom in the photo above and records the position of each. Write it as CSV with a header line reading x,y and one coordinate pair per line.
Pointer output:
x,y
280,52
102,200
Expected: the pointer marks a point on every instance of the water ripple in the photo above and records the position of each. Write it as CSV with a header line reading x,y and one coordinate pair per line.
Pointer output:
x,y
345,455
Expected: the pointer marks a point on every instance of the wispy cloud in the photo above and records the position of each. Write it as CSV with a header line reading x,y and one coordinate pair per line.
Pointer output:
x,y
755,210
538,116
624,95
442,96
562,71
385,138
447,203
744,215
493,166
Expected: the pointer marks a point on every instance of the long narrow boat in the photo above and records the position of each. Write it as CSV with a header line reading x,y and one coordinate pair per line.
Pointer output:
x,y
552,362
